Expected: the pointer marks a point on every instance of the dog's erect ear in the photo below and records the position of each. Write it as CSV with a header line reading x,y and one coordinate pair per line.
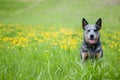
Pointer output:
x,y
99,23
84,23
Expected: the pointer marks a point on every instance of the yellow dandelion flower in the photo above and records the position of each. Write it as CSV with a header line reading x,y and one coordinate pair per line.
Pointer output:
x,y
22,39
15,41
1,25
10,39
113,42
47,34
31,34
72,42
63,46
39,40
64,41
103,47
5,39
111,46
74,46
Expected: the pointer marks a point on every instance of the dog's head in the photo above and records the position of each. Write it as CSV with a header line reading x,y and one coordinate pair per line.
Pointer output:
x,y
91,32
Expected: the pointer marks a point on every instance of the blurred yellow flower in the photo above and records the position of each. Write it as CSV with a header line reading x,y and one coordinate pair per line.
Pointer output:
x,y
63,46
15,42
72,42
1,25
62,37
39,40
31,34
5,39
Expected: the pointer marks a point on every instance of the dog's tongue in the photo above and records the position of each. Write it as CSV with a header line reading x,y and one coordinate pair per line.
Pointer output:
x,y
92,41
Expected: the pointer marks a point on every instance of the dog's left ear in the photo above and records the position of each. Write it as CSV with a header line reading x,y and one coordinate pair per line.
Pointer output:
x,y
99,23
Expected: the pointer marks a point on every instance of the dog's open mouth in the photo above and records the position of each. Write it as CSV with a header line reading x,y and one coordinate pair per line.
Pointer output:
x,y
92,41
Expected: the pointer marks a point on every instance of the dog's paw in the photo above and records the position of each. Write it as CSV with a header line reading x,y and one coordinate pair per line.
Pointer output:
x,y
97,50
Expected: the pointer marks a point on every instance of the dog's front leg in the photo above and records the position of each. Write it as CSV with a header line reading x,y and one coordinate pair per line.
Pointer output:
x,y
84,54
98,52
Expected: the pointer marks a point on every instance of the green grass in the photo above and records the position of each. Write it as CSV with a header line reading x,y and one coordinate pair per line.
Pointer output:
x,y
35,36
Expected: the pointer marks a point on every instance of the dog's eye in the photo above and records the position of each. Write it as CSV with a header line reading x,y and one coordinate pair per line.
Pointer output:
x,y
95,30
88,30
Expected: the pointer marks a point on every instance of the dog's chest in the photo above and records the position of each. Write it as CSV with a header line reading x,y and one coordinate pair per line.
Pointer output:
x,y
91,51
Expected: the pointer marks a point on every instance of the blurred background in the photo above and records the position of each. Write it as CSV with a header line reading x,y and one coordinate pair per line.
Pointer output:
x,y
60,12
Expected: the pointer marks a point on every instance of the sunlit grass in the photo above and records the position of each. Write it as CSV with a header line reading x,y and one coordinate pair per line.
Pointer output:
x,y
36,52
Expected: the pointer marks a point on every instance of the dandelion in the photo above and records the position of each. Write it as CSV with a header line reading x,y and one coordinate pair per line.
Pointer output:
x,y
72,42
63,46
10,39
74,46
15,41
22,39
39,40
1,25
47,34
5,39
31,34
65,31
103,47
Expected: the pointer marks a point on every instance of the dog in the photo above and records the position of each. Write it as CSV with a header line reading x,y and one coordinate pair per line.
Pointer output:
x,y
91,46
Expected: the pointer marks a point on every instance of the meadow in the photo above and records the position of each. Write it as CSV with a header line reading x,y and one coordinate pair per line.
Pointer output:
x,y
41,39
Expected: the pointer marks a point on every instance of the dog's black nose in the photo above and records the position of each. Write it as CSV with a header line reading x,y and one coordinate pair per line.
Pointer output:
x,y
91,36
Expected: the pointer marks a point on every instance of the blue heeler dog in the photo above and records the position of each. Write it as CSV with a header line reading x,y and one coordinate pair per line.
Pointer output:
x,y
91,46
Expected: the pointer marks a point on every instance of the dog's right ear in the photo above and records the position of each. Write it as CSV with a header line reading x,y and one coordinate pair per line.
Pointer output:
x,y
84,23
99,23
